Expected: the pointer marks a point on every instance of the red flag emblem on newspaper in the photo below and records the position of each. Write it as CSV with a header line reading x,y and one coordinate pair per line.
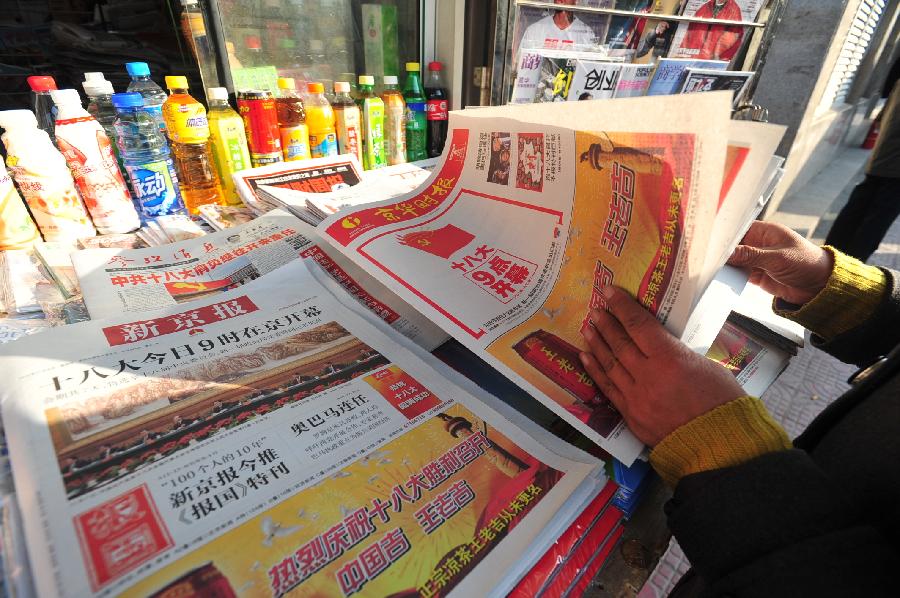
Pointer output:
x,y
189,321
442,242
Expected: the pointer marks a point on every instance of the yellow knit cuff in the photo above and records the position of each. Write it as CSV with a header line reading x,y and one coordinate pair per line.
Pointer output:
x,y
728,435
851,296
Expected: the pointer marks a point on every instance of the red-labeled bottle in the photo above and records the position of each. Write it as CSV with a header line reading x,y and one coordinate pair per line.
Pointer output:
x,y
437,108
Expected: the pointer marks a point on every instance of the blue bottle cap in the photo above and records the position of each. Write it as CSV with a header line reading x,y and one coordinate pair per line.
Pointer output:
x,y
129,99
137,69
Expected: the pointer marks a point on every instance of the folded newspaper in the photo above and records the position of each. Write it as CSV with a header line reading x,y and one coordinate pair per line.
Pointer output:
x,y
266,441
535,208
129,280
315,189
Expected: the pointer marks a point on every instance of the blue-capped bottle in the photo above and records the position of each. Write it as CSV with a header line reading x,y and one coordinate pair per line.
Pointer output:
x,y
154,96
147,157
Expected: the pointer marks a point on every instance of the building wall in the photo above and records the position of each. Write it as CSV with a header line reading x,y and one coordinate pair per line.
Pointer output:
x,y
805,48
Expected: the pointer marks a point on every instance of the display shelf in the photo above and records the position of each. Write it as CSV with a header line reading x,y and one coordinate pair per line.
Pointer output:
x,y
644,15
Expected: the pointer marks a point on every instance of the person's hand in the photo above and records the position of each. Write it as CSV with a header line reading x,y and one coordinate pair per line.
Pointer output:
x,y
783,263
652,378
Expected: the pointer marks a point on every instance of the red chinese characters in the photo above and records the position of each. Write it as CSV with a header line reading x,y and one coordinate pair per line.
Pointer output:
x,y
191,320
498,273
120,534
615,231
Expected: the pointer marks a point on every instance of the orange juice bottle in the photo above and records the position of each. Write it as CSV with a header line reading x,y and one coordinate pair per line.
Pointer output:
x,y
321,123
188,130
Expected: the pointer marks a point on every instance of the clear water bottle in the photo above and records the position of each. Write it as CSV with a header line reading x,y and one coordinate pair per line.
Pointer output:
x,y
147,157
153,94
99,92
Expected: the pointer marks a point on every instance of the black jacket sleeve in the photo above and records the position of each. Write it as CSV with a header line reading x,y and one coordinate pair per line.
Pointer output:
x,y
778,526
875,337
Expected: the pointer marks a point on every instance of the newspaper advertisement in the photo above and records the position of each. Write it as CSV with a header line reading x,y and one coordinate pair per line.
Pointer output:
x,y
115,280
269,442
513,237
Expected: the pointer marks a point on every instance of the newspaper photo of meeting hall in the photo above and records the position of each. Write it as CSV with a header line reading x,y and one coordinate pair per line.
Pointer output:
x,y
112,435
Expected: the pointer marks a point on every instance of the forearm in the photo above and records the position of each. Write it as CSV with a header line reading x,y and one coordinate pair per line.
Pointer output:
x,y
856,317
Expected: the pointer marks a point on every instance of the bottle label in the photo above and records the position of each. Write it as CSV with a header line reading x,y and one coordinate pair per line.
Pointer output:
x,y
374,156
156,186
187,122
437,110
89,155
348,132
323,146
295,142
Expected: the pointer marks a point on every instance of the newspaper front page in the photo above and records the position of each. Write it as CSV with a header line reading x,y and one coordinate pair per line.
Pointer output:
x,y
117,280
268,441
510,241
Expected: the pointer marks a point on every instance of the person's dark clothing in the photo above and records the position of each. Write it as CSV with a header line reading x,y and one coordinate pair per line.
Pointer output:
x,y
822,519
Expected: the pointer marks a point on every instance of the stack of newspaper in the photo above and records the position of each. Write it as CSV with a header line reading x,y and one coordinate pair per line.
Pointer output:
x,y
314,189
269,385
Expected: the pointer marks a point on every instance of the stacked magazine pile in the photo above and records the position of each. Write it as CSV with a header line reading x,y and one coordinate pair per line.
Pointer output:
x,y
256,412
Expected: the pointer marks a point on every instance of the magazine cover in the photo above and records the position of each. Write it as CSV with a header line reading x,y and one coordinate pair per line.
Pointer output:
x,y
713,41
648,39
561,29
633,80
668,77
594,80
621,27
698,80
270,442
555,79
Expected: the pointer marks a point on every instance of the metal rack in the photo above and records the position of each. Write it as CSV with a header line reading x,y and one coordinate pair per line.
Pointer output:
x,y
508,14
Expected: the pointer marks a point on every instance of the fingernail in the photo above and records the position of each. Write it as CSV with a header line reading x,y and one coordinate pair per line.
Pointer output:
x,y
608,291
584,357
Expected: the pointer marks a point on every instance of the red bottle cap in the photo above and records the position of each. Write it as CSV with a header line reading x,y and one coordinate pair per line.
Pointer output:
x,y
41,83
252,42
435,66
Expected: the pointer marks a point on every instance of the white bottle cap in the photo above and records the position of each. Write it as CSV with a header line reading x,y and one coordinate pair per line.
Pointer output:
x,y
95,84
10,119
341,87
65,96
217,93
390,79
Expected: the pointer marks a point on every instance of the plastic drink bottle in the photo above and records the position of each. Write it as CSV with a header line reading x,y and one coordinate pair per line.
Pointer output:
x,y
437,109
320,120
153,94
189,133
44,179
99,93
17,231
42,103
229,142
372,108
147,158
416,121
90,157
291,121
257,108
394,122
348,121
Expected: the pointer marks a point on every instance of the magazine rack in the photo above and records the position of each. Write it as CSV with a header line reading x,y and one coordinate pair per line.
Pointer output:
x,y
750,56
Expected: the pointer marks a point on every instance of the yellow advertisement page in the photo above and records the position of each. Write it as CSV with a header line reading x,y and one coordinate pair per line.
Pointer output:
x,y
413,517
632,191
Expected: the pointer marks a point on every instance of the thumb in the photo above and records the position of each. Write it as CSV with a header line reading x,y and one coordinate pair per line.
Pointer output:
x,y
747,256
